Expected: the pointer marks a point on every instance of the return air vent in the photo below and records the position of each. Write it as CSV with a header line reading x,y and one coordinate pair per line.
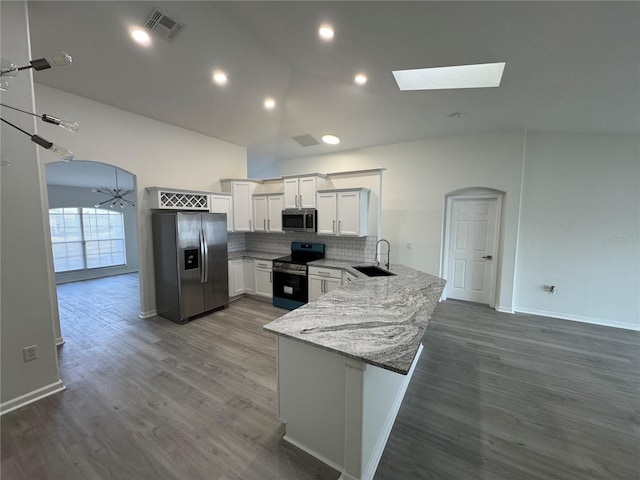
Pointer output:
x,y
306,140
163,26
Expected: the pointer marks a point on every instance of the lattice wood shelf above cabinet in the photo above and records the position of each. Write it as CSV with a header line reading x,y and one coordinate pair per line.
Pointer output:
x,y
172,199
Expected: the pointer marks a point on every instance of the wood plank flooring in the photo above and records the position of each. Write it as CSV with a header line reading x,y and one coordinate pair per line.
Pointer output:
x,y
151,399
498,397
494,396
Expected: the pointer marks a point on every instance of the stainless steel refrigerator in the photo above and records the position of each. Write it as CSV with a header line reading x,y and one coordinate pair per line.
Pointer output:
x,y
190,260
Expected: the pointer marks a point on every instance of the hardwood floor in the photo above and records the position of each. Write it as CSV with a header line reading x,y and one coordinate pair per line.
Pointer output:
x,y
499,396
151,399
494,396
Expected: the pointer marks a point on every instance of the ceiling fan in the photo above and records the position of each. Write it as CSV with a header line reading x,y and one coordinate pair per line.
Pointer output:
x,y
116,195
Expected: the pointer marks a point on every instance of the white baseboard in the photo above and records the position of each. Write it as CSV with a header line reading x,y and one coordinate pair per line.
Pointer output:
x,y
148,314
378,450
311,452
578,318
504,309
34,396
59,341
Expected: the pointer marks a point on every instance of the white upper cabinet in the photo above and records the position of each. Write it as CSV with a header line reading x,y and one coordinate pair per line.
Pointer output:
x,y
327,209
343,212
300,192
267,211
242,193
222,203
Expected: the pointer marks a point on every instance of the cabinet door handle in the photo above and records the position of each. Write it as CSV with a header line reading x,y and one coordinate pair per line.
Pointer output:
x,y
249,224
339,226
264,224
271,277
300,201
296,201
334,226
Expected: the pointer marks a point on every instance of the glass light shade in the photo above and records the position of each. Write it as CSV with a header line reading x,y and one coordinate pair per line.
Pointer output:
x,y
67,125
71,126
63,153
8,69
61,59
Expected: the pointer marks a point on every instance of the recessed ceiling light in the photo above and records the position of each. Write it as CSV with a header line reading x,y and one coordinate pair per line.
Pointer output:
x,y
360,79
331,139
220,77
269,103
141,36
326,32
440,78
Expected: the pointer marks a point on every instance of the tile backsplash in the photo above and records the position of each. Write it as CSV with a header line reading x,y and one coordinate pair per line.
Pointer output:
x,y
356,249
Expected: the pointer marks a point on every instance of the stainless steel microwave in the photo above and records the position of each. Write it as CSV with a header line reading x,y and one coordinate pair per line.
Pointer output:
x,y
299,220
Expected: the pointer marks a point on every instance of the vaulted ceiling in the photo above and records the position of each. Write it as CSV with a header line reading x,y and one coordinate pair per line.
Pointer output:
x,y
570,66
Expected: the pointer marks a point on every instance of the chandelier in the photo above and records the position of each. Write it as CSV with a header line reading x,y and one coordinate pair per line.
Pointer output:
x,y
116,195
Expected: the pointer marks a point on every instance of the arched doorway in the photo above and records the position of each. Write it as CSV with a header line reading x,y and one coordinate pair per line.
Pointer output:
x,y
91,239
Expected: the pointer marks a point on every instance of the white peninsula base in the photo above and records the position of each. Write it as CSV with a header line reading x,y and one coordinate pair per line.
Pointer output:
x,y
338,409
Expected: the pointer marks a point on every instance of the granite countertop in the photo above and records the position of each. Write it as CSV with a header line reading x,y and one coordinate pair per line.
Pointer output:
x,y
255,254
379,320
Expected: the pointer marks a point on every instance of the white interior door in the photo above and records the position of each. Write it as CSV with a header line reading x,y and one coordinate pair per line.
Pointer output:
x,y
473,243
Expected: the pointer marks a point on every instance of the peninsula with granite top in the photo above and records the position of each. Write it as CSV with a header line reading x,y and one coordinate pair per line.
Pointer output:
x,y
345,361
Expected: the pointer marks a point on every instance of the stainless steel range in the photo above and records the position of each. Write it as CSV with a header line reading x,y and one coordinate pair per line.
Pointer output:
x,y
290,284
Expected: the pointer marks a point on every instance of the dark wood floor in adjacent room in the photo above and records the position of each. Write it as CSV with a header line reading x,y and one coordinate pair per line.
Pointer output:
x,y
494,396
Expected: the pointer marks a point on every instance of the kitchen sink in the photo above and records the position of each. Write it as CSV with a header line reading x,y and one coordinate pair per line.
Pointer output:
x,y
373,271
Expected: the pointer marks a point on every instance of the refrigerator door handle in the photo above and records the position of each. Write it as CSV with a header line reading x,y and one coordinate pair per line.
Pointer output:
x,y
201,258
206,257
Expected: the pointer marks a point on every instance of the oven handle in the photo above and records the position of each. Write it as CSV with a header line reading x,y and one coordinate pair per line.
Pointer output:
x,y
290,272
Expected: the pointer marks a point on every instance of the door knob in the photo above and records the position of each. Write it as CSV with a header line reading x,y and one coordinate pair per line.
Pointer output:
x,y
488,257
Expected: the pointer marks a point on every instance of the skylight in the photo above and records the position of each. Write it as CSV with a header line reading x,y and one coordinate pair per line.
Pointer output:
x,y
440,78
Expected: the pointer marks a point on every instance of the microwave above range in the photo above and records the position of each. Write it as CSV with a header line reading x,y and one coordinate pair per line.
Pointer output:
x,y
299,220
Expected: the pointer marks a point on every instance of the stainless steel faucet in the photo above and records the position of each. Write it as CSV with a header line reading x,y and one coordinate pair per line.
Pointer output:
x,y
388,252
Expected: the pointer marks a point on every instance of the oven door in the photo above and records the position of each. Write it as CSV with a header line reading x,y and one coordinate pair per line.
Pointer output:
x,y
290,288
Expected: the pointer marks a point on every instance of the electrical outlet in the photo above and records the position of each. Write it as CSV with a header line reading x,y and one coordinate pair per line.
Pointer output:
x,y
30,353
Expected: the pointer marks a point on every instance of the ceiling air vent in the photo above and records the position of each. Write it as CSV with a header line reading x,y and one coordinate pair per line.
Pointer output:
x,y
163,26
306,140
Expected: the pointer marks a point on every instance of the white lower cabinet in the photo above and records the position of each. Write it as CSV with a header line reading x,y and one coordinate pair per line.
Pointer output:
x,y
248,275
323,280
236,277
347,277
263,278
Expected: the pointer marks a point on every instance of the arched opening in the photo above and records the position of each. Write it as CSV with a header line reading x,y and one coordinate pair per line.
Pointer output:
x,y
94,240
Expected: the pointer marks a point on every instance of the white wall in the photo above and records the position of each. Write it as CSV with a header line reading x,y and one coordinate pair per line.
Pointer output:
x,y
26,289
157,153
419,175
580,228
575,226
69,197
